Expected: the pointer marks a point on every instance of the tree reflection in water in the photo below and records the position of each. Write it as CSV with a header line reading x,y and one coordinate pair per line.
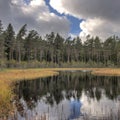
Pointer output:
x,y
54,92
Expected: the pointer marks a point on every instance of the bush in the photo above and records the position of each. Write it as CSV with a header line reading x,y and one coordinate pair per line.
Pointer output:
x,y
2,64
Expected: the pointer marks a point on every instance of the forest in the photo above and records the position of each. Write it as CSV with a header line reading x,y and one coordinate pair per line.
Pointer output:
x,y
27,49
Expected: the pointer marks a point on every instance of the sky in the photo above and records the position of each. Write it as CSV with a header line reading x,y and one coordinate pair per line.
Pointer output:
x,y
66,17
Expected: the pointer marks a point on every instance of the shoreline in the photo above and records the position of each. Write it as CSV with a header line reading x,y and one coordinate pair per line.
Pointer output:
x,y
9,76
94,71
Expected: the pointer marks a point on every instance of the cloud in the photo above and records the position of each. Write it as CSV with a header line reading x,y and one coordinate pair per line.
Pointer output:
x,y
36,15
98,27
107,9
101,17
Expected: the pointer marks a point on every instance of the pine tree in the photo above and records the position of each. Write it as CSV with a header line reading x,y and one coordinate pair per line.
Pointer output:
x,y
9,42
20,43
1,45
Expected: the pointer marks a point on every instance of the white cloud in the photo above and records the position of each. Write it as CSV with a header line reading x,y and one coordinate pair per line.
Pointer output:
x,y
99,27
57,4
101,17
36,15
37,3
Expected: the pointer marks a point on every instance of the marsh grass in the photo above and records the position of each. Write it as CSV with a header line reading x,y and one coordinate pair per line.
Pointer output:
x,y
8,77
106,71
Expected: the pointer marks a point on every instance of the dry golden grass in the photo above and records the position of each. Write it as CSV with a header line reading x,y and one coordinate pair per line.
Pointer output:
x,y
7,77
106,71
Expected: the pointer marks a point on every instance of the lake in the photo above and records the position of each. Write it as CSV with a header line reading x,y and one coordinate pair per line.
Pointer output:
x,y
71,95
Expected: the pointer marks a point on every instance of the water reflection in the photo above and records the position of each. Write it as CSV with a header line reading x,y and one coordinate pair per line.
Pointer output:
x,y
70,95
75,108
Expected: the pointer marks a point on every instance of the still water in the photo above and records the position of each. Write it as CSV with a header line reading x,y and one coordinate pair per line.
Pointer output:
x,y
71,95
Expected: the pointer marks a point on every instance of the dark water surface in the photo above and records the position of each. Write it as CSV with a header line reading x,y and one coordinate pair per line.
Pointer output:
x,y
68,96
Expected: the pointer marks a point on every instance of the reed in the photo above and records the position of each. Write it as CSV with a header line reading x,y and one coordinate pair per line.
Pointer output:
x,y
106,71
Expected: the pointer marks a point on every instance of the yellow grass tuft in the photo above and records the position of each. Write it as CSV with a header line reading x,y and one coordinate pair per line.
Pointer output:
x,y
107,71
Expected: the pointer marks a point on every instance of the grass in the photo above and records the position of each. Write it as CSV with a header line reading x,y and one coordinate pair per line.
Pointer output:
x,y
7,77
106,71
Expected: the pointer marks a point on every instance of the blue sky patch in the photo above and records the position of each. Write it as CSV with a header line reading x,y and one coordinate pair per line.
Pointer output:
x,y
74,22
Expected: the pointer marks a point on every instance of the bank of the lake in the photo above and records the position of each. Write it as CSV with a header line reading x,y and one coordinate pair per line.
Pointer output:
x,y
94,71
7,77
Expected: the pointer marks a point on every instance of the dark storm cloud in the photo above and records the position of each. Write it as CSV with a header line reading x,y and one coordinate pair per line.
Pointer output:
x,y
101,17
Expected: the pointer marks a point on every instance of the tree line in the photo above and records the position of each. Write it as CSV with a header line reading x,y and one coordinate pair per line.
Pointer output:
x,y
29,49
